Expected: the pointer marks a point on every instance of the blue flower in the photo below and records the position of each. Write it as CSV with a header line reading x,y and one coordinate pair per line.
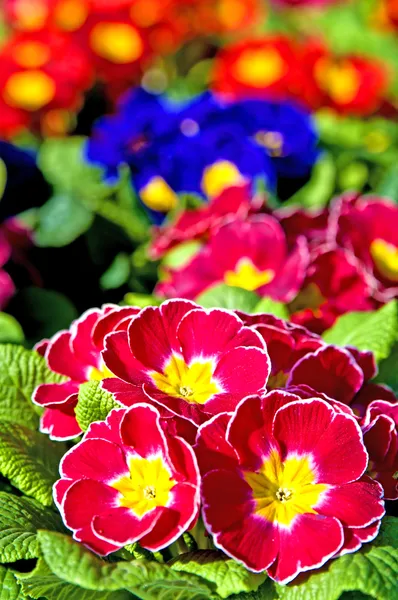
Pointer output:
x,y
202,146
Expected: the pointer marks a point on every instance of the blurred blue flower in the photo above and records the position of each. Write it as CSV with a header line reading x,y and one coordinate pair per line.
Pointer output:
x,y
202,146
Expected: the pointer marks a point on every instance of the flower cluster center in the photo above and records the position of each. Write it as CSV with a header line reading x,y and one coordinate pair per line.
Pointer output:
x,y
193,383
246,275
284,489
148,486
385,258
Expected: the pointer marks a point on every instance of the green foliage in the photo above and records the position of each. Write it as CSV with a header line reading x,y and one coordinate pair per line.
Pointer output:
x,y
3,177
93,404
48,312
388,186
42,583
10,330
29,460
375,331
228,576
118,273
61,220
236,298
267,305
20,518
388,372
74,564
373,571
9,587
232,298
317,192
21,371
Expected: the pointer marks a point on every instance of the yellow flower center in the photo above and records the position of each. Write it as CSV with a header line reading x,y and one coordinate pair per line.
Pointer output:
x,y
29,90
31,55
259,68
99,374
147,487
309,297
340,81
283,490
117,42
158,195
247,276
30,14
231,13
385,258
219,176
71,14
193,383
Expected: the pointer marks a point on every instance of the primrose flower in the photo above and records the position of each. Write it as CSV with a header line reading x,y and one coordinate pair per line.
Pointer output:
x,y
252,255
42,79
267,67
202,222
335,282
290,474
128,480
349,84
188,360
286,344
367,226
380,433
76,354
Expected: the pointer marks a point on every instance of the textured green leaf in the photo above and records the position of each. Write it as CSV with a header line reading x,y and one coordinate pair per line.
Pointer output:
x,y
373,571
226,296
43,583
10,330
20,518
29,460
375,331
61,220
317,192
267,305
228,576
9,587
73,563
93,404
21,371
266,591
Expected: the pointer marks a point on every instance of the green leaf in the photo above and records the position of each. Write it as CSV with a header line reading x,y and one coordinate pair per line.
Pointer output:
x,y
317,192
141,300
388,372
373,571
181,255
266,591
118,273
21,371
9,587
64,166
148,580
232,298
10,330
3,177
61,220
388,186
228,576
93,404
42,583
267,305
375,331
20,518
29,460
47,312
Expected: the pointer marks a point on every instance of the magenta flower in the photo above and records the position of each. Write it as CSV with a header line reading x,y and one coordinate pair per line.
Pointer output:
x,y
252,255
283,484
76,354
128,480
192,362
